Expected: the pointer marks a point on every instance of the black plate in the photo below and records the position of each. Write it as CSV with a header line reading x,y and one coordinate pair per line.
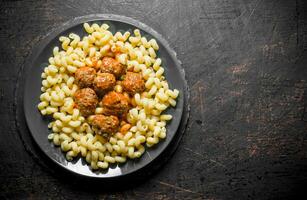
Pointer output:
x,y
37,124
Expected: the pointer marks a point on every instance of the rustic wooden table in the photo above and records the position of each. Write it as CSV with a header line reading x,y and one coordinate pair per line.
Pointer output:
x,y
246,67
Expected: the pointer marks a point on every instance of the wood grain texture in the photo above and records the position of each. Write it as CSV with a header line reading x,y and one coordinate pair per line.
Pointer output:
x,y
246,66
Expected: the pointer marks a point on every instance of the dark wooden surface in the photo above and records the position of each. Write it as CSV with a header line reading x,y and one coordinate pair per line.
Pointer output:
x,y
246,65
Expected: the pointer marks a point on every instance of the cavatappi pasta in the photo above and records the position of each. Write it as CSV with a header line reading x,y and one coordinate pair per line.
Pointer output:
x,y
71,131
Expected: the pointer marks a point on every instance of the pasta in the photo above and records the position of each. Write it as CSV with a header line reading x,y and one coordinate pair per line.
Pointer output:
x,y
71,131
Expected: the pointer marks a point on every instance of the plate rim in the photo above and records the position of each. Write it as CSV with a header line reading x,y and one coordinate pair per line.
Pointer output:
x,y
39,47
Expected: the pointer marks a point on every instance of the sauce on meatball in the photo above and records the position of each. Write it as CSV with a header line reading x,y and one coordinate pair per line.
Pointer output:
x,y
115,103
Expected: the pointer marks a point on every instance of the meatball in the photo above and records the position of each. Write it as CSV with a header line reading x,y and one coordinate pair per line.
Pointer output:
x,y
104,82
115,104
133,83
86,101
110,65
85,76
105,124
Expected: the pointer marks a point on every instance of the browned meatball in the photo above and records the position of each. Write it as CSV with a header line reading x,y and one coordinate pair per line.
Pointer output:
x,y
85,76
86,101
115,104
133,83
110,65
104,82
105,124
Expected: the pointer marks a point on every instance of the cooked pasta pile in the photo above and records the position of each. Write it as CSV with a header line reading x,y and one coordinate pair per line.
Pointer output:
x,y
146,121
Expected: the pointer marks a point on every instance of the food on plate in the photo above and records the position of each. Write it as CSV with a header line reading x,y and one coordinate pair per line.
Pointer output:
x,y
105,124
86,101
104,82
107,94
110,65
85,76
133,83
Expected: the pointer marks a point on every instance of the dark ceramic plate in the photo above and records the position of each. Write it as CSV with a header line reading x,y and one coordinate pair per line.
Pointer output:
x,y
38,124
